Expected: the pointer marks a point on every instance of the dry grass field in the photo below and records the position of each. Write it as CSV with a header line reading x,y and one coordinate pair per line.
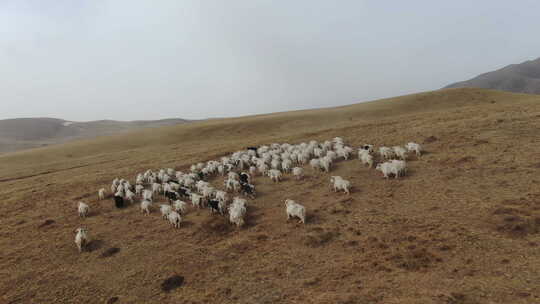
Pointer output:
x,y
463,227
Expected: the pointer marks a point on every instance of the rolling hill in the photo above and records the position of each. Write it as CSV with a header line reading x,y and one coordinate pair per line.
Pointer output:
x,y
518,78
462,227
24,133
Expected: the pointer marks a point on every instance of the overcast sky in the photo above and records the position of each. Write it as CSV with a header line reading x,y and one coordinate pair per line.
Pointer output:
x,y
125,60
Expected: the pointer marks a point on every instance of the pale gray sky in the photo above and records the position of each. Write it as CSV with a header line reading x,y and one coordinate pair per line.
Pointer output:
x,y
129,59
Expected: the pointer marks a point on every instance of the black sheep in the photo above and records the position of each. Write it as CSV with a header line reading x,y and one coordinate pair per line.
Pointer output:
x,y
244,178
171,195
248,189
184,192
214,205
119,201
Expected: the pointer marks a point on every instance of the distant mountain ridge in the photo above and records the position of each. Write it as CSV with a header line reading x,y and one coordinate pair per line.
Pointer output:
x,y
517,78
25,133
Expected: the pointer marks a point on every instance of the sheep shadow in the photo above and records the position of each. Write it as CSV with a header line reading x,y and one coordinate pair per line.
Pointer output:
x,y
94,245
313,219
187,224
253,216
109,252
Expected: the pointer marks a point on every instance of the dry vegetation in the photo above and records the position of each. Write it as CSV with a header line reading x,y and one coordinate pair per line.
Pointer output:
x,y
462,228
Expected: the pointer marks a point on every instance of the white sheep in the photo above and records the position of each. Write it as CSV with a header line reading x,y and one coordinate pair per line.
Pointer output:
x,y
145,206
156,188
315,164
165,210
130,196
237,201
83,209
298,172
340,184
221,196
232,185
295,210
365,158
275,175
253,170
236,214
101,193
325,164
386,152
400,167
286,165
147,195
233,176
81,238
174,218
180,206
414,147
400,152
395,167
139,189
196,200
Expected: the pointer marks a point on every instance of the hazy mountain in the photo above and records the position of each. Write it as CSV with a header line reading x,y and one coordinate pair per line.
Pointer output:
x,y
519,78
24,133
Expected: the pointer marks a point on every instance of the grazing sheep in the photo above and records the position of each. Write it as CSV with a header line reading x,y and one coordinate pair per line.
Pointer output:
x,y
414,147
236,214
340,184
275,175
253,170
139,189
263,169
400,152
248,189
368,148
156,188
165,210
295,210
395,167
240,202
298,172
386,153
81,238
232,185
145,206
221,195
233,175
208,192
286,165
83,209
365,158
315,164
400,167
101,193
130,196
147,195
245,178
214,206
325,164
174,218
196,200
180,206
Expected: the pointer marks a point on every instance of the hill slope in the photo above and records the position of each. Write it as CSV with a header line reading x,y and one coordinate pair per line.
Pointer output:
x,y
462,227
519,78
24,133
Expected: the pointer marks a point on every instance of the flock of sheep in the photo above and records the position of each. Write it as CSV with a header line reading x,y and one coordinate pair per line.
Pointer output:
x,y
272,161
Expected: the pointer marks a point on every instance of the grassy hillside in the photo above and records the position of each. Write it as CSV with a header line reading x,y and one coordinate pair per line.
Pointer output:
x,y
462,227
26,133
